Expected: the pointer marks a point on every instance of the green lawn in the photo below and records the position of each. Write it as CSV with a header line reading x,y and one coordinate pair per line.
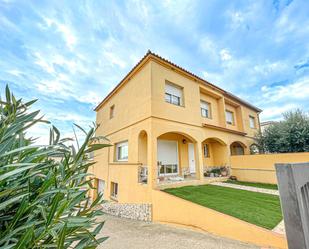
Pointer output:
x,y
257,208
255,184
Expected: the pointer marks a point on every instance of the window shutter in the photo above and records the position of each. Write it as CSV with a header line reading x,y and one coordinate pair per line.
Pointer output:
x,y
173,90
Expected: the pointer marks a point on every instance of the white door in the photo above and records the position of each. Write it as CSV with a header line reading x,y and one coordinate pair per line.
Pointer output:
x,y
101,185
191,157
168,157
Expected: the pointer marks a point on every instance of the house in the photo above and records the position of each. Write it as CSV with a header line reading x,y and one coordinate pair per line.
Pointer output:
x,y
266,124
167,124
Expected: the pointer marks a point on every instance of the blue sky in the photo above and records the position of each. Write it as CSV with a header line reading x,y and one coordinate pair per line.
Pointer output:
x,y
70,54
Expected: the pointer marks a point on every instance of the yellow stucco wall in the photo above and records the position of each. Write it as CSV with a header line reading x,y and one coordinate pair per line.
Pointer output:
x,y
260,168
171,209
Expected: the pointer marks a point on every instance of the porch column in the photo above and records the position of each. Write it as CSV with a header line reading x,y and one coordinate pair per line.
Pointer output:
x,y
152,161
199,161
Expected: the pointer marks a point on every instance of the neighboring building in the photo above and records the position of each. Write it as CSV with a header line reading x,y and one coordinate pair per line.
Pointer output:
x,y
164,122
266,124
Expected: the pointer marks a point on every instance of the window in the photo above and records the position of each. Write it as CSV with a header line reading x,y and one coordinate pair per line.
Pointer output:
x,y
114,189
252,121
122,151
111,111
173,94
205,109
206,150
229,117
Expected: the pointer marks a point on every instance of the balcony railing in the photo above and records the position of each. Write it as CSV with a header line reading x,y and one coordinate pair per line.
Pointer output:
x,y
143,174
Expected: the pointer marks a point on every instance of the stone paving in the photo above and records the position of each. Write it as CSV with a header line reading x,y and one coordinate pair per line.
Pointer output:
x,y
125,233
280,228
248,188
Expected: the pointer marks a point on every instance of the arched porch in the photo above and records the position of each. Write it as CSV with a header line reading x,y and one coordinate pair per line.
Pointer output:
x,y
177,157
237,148
215,153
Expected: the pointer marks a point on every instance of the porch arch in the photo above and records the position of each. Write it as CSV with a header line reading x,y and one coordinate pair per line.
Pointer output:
x,y
237,148
177,155
143,147
254,149
215,153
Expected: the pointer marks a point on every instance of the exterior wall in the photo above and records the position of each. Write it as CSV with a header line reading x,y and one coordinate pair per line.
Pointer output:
x,y
132,104
124,173
214,105
260,168
246,113
231,108
193,93
171,209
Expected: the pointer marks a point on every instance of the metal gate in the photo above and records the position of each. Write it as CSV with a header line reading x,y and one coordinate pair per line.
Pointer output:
x,y
293,183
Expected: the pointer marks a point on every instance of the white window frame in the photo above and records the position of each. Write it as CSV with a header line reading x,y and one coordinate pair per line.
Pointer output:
x,y
232,122
252,122
120,145
205,112
114,190
173,94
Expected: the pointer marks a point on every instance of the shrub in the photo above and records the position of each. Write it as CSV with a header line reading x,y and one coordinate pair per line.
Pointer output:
x,y
289,135
44,202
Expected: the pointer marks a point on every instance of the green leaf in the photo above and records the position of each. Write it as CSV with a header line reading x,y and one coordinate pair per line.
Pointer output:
x,y
61,239
53,209
25,239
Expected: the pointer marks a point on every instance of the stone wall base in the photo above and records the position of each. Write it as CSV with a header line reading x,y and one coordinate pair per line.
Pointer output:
x,y
141,212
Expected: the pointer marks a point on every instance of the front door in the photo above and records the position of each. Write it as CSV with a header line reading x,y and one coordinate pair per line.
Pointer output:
x,y
167,157
191,158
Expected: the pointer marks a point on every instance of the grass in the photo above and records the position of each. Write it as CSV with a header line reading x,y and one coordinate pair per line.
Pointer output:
x,y
261,209
254,184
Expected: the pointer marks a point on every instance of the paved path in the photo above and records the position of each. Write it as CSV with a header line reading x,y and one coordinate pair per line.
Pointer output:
x,y
124,233
253,189
280,228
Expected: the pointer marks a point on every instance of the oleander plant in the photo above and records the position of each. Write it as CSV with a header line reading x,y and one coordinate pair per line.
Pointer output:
x,y
45,189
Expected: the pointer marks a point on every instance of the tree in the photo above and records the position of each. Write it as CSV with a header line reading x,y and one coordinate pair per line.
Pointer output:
x,y
44,203
289,135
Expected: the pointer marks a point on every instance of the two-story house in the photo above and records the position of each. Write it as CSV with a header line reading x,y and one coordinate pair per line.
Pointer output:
x,y
163,121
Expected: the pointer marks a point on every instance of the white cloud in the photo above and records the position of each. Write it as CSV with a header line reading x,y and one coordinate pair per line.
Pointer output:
x,y
298,90
271,67
225,55
274,113
114,59
39,60
237,18
66,31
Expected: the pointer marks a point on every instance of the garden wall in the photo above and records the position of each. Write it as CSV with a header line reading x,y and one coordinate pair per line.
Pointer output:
x,y
171,209
260,168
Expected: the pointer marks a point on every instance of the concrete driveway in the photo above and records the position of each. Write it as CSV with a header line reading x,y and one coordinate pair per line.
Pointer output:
x,y
124,233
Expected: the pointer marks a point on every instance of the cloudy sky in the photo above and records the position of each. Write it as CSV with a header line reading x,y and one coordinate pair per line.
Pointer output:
x,y
70,54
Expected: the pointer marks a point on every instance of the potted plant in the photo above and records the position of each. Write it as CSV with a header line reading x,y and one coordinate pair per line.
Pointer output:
x,y
224,171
